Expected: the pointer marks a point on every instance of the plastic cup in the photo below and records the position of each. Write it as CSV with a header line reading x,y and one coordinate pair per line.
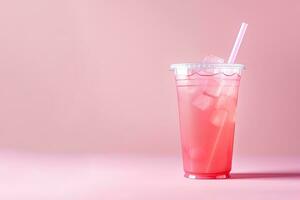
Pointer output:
x,y
207,99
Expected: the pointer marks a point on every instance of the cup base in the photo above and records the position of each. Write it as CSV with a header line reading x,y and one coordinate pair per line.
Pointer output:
x,y
221,175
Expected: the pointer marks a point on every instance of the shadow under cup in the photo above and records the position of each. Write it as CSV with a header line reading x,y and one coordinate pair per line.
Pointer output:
x,y
207,98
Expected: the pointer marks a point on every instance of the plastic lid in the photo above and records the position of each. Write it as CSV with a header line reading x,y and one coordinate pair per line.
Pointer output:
x,y
205,66
210,68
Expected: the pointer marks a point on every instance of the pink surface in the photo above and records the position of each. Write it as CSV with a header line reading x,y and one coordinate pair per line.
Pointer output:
x,y
94,177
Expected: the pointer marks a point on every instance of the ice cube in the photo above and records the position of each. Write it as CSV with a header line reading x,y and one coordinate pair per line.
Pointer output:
x,y
212,59
218,87
203,101
214,87
219,118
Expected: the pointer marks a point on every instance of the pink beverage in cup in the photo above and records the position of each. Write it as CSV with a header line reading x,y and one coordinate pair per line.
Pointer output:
x,y
207,100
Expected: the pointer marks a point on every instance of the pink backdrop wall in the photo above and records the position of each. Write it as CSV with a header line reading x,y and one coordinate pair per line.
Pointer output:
x,y
92,76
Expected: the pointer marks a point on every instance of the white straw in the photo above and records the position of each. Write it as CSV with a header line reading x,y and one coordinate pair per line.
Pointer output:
x,y
237,43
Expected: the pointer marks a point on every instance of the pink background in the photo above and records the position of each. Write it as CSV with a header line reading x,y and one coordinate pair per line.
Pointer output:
x,y
92,76
88,108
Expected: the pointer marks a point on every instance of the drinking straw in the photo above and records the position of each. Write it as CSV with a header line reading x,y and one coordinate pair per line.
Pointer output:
x,y
237,43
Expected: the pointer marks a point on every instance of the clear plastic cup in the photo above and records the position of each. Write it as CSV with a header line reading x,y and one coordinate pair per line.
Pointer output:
x,y
207,100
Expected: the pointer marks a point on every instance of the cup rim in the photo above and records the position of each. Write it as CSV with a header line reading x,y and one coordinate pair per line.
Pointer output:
x,y
205,66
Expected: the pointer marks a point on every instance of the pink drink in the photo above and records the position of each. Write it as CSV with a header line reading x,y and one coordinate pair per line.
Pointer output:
x,y
207,99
